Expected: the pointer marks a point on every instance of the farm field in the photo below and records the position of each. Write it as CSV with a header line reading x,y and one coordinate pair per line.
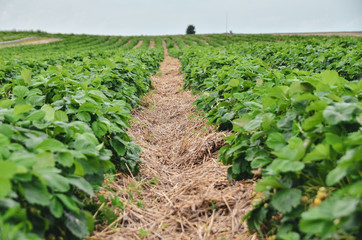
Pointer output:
x,y
125,137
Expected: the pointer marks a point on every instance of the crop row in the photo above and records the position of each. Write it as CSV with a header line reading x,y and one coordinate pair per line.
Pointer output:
x,y
104,43
62,126
300,129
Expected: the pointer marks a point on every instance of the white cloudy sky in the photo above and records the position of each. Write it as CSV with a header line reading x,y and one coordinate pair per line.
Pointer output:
x,y
158,17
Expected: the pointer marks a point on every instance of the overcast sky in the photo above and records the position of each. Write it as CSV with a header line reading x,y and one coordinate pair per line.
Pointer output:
x,y
158,17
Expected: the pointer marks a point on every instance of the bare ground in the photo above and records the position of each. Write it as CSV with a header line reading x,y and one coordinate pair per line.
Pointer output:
x,y
31,41
184,193
152,44
185,44
138,44
127,43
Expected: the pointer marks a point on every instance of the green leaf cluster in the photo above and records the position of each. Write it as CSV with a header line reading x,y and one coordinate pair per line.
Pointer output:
x,y
63,123
302,129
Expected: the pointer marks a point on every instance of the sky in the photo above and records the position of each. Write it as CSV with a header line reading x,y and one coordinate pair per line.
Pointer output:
x,y
166,17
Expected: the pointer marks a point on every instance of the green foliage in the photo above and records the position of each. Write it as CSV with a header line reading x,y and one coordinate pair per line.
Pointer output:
x,y
301,128
190,29
63,122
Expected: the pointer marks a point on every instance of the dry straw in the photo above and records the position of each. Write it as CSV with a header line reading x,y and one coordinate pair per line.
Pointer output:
x,y
192,198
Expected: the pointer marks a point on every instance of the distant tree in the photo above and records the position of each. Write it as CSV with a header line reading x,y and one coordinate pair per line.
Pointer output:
x,y
190,29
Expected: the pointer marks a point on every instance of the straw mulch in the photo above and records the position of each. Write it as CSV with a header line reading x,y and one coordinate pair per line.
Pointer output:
x,y
183,189
152,44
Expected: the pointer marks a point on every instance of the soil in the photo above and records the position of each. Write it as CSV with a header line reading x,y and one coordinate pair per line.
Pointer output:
x,y
205,42
185,44
127,43
31,41
181,191
138,44
152,44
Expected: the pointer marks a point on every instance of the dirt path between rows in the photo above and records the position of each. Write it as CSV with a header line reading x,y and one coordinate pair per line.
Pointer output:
x,y
29,41
138,44
152,44
182,191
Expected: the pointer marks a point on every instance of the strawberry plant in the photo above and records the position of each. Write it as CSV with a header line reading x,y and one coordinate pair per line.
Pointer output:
x,y
300,128
63,125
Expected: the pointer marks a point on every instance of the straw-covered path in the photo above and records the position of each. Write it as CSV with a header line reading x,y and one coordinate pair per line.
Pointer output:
x,y
182,191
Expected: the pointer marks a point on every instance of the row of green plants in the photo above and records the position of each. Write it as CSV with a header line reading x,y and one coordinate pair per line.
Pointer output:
x,y
300,129
341,54
62,127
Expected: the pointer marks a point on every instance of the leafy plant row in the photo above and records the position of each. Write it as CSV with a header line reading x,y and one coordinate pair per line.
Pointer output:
x,y
301,130
343,55
62,127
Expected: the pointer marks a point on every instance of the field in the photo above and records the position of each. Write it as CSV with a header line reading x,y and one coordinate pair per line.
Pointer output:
x,y
103,137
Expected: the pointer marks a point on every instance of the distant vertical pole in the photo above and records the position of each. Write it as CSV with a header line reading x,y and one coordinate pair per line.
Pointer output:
x,y
226,25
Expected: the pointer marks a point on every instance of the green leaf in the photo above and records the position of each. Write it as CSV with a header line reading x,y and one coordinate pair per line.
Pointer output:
x,y
51,144
88,107
54,180
99,128
289,236
335,141
241,122
77,224
44,160
118,146
286,199
319,220
331,78
4,140
276,140
79,169
320,152
353,189
20,91
84,116
267,183
68,202
56,208
5,187
82,184
278,92
354,138
89,221
26,75
319,105
359,118
255,123
49,112
335,175
36,115
313,121
6,130
279,165
234,83
66,159
340,112
286,122
5,103
98,95
86,143
35,192
60,116
19,109
7,171
227,117
294,151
